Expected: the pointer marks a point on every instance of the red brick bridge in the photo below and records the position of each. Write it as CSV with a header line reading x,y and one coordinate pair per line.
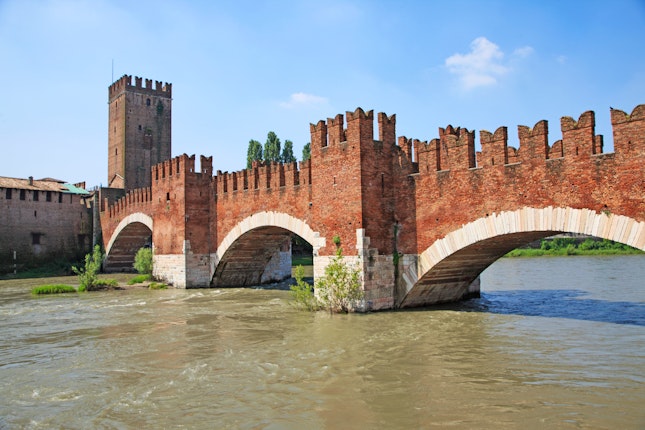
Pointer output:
x,y
421,219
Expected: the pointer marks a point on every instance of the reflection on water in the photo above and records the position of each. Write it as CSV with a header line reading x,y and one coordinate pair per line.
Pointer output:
x,y
557,304
553,342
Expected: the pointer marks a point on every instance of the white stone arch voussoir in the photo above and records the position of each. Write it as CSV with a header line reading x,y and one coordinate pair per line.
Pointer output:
x,y
562,219
268,219
132,218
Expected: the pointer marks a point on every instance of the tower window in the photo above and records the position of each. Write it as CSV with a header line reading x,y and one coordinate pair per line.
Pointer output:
x,y
8,196
48,196
147,102
139,126
60,197
22,194
35,238
35,196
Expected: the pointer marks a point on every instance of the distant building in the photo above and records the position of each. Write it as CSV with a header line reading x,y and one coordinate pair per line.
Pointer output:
x,y
43,220
47,220
139,130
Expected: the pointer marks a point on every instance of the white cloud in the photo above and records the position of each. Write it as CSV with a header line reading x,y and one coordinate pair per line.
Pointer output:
x,y
297,100
523,52
482,66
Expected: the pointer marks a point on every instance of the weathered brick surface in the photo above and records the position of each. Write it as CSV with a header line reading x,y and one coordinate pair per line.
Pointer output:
x,y
444,210
63,226
139,130
600,182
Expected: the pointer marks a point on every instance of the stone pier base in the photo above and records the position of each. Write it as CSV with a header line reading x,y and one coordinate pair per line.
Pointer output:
x,y
185,270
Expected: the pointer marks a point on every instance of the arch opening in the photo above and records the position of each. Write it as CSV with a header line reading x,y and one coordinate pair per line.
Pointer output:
x,y
124,246
260,243
449,269
449,280
263,255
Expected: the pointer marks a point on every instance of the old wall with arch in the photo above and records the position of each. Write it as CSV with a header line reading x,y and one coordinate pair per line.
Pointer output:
x,y
444,271
256,242
133,232
418,216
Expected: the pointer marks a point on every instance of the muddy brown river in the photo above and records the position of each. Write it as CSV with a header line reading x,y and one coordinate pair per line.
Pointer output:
x,y
552,343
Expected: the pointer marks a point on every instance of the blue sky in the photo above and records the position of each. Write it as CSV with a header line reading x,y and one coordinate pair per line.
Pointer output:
x,y
240,69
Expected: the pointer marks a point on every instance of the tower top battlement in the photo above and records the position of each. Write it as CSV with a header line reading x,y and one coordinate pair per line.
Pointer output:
x,y
124,83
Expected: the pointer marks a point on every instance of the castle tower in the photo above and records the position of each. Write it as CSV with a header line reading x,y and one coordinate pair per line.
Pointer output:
x,y
139,128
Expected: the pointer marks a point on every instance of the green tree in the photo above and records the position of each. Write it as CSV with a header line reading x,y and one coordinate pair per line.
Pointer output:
x,y
143,261
303,293
306,152
88,275
340,289
287,152
253,153
272,148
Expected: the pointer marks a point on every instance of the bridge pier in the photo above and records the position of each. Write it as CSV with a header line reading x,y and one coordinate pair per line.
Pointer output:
x,y
185,270
387,282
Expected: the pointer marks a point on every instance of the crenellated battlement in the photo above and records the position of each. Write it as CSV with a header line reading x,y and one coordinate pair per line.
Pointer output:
x,y
182,165
454,149
264,176
387,128
124,83
133,201
359,129
628,130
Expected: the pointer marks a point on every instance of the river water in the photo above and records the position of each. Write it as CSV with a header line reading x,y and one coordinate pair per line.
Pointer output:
x,y
552,343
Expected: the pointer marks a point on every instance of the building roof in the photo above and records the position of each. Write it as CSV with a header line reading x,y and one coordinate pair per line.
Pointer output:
x,y
46,184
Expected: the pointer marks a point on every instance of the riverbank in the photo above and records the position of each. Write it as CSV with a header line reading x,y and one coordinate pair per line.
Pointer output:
x,y
120,281
564,246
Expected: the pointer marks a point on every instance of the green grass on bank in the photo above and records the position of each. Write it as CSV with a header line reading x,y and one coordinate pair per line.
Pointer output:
x,y
53,289
562,246
157,286
139,279
302,260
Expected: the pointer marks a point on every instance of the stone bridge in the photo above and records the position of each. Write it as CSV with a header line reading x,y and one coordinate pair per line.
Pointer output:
x,y
422,219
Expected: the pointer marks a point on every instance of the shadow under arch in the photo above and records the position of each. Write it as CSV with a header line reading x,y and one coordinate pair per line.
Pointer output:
x,y
446,269
249,251
132,233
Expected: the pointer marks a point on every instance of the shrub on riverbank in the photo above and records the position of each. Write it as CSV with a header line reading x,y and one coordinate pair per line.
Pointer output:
x,y
339,290
303,292
143,261
88,275
53,289
100,284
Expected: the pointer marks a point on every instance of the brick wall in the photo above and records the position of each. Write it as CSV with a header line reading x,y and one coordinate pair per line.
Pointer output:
x,y
385,199
613,183
63,229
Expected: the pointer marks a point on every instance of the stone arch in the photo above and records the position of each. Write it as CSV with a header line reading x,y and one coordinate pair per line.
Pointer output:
x,y
119,253
457,259
269,224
